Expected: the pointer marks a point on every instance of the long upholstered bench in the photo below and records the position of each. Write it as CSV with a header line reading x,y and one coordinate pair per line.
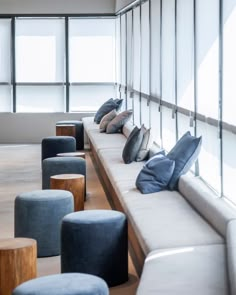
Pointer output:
x,y
182,242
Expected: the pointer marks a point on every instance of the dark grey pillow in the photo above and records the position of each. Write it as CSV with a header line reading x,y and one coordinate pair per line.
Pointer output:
x,y
118,102
118,122
155,175
104,109
184,153
132,145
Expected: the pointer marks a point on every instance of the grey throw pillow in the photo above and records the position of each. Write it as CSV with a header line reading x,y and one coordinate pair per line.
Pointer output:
x,y
118,102
132,145
155,150
106,119
184,153
115,125
108,106
145,146
155,175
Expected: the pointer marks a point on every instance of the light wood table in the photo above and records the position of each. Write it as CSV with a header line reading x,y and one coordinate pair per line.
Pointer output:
x,y
73,183
72,154
65,130
18,259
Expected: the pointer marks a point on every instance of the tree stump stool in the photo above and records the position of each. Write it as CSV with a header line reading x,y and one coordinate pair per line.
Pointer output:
x,y
73,183
18,259
72,154
65,130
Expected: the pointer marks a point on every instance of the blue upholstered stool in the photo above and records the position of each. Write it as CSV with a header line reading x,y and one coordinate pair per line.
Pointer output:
x,y
95,242
53,145
79,130
64,284
38,215
62,165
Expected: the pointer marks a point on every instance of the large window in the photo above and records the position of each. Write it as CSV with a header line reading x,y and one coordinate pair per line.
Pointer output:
x,y
40,60
91,60
5,65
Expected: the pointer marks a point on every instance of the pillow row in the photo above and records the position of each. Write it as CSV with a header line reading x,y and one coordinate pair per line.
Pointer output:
x,y
162,172
113,122
109,105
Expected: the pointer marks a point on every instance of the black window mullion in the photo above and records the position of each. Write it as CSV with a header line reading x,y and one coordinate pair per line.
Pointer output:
x,y
67,64
13,63
221,48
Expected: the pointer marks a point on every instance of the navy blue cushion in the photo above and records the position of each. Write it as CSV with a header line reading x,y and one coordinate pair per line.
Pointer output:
x,y
104,109
132,145
184,153
118,102
155,175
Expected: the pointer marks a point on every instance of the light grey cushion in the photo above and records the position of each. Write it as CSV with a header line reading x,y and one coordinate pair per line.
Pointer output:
x,y
145,146
106,119
197,270
127,128
132,145
231,255
184,153
118,122
214,209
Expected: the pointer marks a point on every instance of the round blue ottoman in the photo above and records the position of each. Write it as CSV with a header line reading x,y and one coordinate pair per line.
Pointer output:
x,y
63,284
38,215
53,145
96,242
79,130
62,165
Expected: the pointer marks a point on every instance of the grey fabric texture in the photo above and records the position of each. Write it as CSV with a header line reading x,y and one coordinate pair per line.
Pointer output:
x,y
184,271
132,145
231,255
79,130
61,165
96,242
64,284
155,175
127,129
145,146
104,109
119,102
38,215
53,145
184,153
214,209
118,122
106,119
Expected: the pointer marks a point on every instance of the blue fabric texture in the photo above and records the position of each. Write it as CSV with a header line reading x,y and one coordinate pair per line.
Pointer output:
x,y
184,153
104,109
79,130
38,215
118,102
155,175
61,165
132,145
64,284
53,145
96,242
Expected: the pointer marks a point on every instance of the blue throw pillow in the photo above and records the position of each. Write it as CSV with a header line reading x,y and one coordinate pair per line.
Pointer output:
x,y
155,175
107,107
118,102
184,153
132,145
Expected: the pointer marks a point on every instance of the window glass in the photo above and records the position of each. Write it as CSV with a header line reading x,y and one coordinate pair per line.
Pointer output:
x,y
136,49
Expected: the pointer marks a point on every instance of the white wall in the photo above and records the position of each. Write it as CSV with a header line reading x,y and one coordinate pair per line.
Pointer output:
x,y
56,6
122,3
31,128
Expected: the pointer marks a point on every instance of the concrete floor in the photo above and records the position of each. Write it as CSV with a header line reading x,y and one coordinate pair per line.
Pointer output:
x,y
20,172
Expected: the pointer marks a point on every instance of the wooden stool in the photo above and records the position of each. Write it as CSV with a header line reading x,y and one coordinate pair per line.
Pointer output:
x,y
18,259
73,154
65,130
73,183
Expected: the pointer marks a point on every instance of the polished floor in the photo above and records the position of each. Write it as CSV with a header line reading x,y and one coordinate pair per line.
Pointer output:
x,y
20,171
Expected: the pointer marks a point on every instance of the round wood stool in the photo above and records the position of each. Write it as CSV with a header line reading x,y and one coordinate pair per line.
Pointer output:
x,y
73,183
18,257
72,154
65,130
